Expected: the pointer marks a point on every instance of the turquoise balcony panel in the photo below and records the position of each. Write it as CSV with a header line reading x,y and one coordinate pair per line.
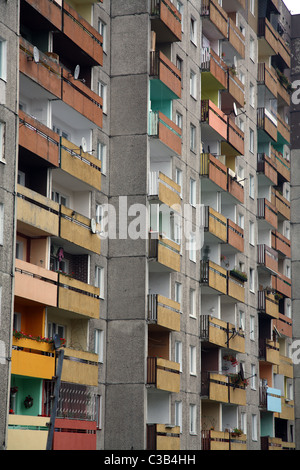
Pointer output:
x,y
274,400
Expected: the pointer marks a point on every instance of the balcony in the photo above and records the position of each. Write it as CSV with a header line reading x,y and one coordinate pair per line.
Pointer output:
x,y
267,38
235,287
282,284
235,236
284,52
77,229
163,374
213,276
282,204
235,92
222,440
74,434
221,333
270,399
27,432
283,166
35,283
165,21
166,78
268,304
38,139
284,131
221,388
214,20
78,297
214,71
283,92
284,325
266,169
79,164
165,189
166,132
267,213
215,225
234,142
80,367
269,351
234,5
267,125
275,443
267,76
288,413
267,258
235,188
214,170
236,40
166,252
214,121
33,358
163,312
281,244
286,367
163,437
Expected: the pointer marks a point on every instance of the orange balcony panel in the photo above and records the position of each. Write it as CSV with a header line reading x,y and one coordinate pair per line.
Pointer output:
x,y
166,21
74,434
213,67
267,257
268,78
282,204
38,139
162,68
235,235
267,212
283,166
284,51
49,9
161,127
236,89
235,140
281,244
235,188
214,118
284,96
267,167
283,129
82,34
82,99
282,284
268,304
35,283
214,19
33,359
46,72
236,38
268,38
284,325
215,170
266,124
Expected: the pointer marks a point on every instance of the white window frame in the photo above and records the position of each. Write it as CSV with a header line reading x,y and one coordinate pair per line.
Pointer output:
x,y
193,196
192,298
251,280
179,119
252,7
193,419
99,344
252,328
253,377
178,353
251,140
251,233
178,415
254,427
251,94
3,59
193,31
99,280
193,360
102,92
193,84
251,186
192,247
102,27
102,156
192,137
2,141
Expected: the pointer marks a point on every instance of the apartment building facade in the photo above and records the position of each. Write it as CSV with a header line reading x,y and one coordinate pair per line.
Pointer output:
x,y
171,121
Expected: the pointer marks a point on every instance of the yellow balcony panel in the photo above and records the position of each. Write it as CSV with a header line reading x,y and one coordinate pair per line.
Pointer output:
x,y
268,304
271,443
237,395
215,224
216,387
165,189
163,437
222,440
35,284
77,229
164,312
218,332
285,366
81,165
27,432
235,289
288,445
164,374
287,409
78,297
30,360
269,351
36,214
80,367
214,20
213,276
165,251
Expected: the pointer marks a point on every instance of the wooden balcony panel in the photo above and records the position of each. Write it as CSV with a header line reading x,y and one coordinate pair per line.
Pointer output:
x,y
235,289
284,325
283,95
166,21
283,166
78,297
235,235
267,212
267,167
163,69
45,73
214,14
38,139
48,9
236,89
164,312
235,140
82,33
80,367
282,284
213,67
283,129
267,76
215,223
266,124
267,257
268,38
215,170
281,244
214,276
235,188
236,39
283,50
214,118
268,304
80,97
282,205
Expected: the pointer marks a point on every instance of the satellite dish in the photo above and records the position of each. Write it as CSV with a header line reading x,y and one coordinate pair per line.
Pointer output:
x,y
56,341
36,55
83,144
77,72
235,109
93,225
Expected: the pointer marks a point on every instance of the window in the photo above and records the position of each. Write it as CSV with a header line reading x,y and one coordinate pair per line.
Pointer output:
x,y
241,319
251,232
3,46
179,120
254,427
192,192
241,220
16,320
251,141
1,223
192,137
102,92
19,249
193,410
192,247
180,9
98,406
253,374
252,7
252,49
101,155
193,360
244,422
102,31
2,137
192,303
55,329
252,328
178,177
60,198
251,279
178,353
193,85
99,280
99,344
178,292
251,95
99,214
193,31
251,186
179,63
178,414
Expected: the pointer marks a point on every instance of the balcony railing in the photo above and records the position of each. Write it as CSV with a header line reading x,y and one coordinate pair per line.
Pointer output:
x,y
235,235
166,21
267,257
281,244
221,333
267,212
214,276
212,116
268,304
223,388
223,440
163,187
269,351
168,133
213,66
266,166
215,223
216,18
162,437
165,251
283,166
267,77
164,312
215,170
281,203
163,374
163,69
267,123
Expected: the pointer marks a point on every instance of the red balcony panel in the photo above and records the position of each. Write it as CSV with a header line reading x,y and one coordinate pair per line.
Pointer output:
x,y
73,434
214,118
281,244
215,170
213,66
235,188
267,257
51,10
284,325
282,284
166,21
162,68
267,211
267,167
235,235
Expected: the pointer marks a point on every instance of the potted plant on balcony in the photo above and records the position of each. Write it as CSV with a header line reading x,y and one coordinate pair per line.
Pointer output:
x,y
236,432
240,275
